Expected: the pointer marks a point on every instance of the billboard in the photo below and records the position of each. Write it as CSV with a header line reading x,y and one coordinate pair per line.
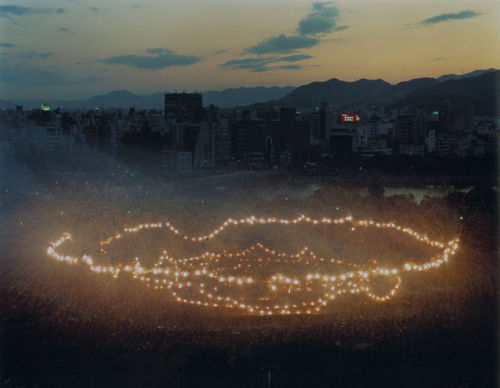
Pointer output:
x,y
350,118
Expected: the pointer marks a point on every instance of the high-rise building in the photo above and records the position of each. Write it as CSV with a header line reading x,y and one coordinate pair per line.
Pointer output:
x,y
223,141
249,139
204,150
321,123
458,119
175,161
409,129
292,139
184,107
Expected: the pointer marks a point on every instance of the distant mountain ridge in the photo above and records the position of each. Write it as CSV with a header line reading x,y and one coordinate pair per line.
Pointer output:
x,y
124,99
338,92
229,98
474,73
480,87
481,90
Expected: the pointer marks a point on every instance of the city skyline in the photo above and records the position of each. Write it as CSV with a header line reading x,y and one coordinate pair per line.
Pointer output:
x,y
70,49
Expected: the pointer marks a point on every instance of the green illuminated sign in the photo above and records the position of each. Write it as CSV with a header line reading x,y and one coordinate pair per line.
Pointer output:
x,y
46,107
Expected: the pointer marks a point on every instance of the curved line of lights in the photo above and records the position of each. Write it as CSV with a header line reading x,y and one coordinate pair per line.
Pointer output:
x,y
203,280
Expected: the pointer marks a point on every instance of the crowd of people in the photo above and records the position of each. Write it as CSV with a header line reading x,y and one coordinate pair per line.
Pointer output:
x,y
62,326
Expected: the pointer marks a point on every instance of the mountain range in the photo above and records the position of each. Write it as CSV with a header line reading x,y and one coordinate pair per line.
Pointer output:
x,y
474,73
226,98
480,87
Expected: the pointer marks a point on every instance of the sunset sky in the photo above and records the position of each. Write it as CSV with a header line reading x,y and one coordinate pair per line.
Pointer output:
x,y
70,49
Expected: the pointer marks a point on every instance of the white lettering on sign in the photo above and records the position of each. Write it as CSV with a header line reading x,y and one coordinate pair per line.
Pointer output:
x,y
350,117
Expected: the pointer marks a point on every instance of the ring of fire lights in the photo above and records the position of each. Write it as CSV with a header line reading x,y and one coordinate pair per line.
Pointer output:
x,y
215,279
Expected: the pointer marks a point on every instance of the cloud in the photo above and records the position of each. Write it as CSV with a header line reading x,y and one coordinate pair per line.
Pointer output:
x,y
260,64
294,58
34,54
247,63
282,44
160,58
136,6
444,17
88,80
219,52
439,59
287,67
271,68
95,9
7,45
64,29
340,28
322,20
7,10
155,51
17,75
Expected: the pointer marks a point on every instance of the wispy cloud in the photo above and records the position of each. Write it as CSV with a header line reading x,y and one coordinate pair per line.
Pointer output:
x,y
261,64
253,64
282,44
294,58
280,67
34,54
15,10
439,59
160,58
95,9
88,80
136,6
7,45
323,19
156,51
15,74
219,52
287,67
66,30
445,17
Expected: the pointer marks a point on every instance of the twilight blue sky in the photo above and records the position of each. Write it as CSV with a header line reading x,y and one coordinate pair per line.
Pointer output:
x,y
72,49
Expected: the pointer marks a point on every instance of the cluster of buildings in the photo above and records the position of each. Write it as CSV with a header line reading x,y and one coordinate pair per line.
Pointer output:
x,y
193,136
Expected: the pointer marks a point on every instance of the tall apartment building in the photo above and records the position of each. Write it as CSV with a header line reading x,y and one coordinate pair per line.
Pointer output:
x,y
409,130
322,121
175,161
184,107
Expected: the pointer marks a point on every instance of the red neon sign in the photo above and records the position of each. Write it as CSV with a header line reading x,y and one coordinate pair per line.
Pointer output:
x,y
350,118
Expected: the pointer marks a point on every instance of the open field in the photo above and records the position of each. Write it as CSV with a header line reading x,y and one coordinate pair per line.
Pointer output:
x,y
65,325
